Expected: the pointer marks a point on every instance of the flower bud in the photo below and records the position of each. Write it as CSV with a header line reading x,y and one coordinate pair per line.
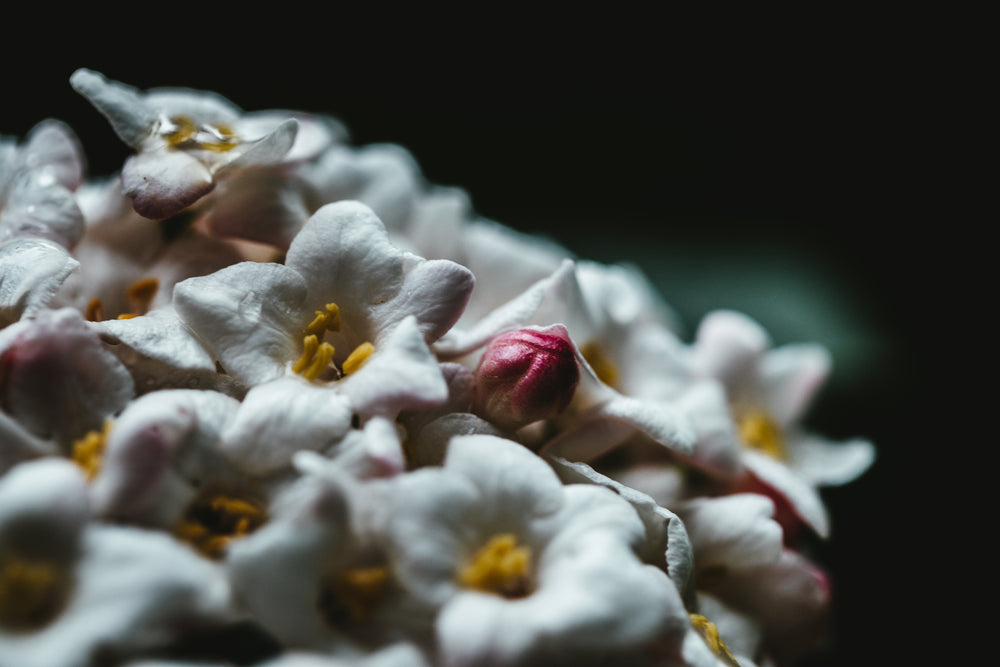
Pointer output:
x,y
526,375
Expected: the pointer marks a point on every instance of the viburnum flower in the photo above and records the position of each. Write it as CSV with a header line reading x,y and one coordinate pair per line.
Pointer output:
x,y
336,588
185,139
73,589
31,273
524,569
37,181
56,378
769,390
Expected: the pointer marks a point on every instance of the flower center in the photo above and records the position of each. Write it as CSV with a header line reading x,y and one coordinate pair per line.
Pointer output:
x,y
316,355
599,361
353,594
710,634
181,132
759,431
139,294
212,522
500,566
31,593
88,451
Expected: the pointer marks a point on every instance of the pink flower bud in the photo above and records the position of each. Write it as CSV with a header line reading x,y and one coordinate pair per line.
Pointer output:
x,y
526,375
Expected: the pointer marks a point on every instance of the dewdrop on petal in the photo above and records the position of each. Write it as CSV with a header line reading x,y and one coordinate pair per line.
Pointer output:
x,y
526,375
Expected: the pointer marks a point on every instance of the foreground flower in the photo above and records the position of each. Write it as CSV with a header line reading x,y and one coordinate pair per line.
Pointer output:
x,y
524,569
73,590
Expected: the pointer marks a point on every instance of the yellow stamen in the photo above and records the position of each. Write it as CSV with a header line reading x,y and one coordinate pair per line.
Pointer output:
x,y
500,566
358,357
360,589
759,431
88,451
141,293
183,131
315,359
211,523
94,311
710,634
127,316
599,361
325,321
31,593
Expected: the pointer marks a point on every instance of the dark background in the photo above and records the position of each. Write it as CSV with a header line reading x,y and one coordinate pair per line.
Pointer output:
x,y
793,174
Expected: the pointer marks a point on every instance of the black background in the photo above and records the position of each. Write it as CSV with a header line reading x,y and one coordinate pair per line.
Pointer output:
x,y
787,166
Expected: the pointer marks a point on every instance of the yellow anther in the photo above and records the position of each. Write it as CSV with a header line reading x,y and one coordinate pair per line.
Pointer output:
x,y
358,357
603,367
94,311
759,431
31,592
710,634
500,566
88,451
315,359
182,131
324,321
127,316
212,522
309,346
360,589
141,293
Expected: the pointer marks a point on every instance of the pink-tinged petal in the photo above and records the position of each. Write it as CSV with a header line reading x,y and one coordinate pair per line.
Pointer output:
x,y
249,315
163,183
526,375
823,462
57,379
733,532
435,292
790,377
261,203
344,254
278,418
796,501
728,346
130,116
31,272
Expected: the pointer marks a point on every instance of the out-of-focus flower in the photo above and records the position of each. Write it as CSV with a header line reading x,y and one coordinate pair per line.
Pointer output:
x,y
37,181
70,586
31,273
769,391
523,568
185,139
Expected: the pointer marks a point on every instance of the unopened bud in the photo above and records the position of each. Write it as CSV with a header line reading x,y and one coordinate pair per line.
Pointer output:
x,y
526,375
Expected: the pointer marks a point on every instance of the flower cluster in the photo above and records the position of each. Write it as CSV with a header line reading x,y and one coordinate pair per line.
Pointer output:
x,y
269,398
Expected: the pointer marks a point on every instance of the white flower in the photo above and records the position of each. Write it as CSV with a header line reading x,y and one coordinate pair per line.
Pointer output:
x,y
186,139
70,587
37,181
31,273
523,568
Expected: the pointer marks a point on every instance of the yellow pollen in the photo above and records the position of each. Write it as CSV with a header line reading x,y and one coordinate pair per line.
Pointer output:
x,y
94,311
759,431
88,451
315,359
358,357
603,367
500,566
360,589
328,320
31,593
211,523
183,131
141,293
127,316
710,634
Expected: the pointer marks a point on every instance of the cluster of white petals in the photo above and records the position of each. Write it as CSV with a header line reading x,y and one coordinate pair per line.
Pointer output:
x,y
271,399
